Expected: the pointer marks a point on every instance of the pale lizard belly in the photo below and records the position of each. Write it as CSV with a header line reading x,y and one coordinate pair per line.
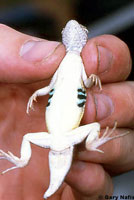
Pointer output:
x,y
63,112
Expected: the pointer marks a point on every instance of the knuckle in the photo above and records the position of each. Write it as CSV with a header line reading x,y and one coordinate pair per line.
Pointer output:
x,y
94,184
100,175
3,27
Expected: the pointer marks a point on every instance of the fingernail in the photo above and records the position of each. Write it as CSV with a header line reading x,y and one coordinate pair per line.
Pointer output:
x,y
35,51
105,58
104,106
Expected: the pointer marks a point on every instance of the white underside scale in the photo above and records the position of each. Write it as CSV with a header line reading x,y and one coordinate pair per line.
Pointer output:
x,y
67,98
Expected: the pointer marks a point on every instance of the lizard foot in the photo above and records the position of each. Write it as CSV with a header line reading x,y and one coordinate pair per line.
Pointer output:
x,y
103,139
30,102
95,80
13,159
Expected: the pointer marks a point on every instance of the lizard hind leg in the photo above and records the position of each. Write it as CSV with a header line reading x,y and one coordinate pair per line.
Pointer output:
x,y
18,162
10,157
98,141
42,139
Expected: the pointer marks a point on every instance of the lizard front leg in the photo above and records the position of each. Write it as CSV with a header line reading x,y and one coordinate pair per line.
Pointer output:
x,y
41,92
91,80
41,139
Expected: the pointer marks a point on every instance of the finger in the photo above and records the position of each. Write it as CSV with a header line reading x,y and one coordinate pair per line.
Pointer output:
x,y
108,57
118,153
83,178
113,103
24,58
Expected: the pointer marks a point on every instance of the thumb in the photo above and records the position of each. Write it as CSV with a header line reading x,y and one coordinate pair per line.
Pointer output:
x,y
25,59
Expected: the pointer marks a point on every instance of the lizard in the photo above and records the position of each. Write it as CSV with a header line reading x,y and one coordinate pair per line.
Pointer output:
x,y
64,111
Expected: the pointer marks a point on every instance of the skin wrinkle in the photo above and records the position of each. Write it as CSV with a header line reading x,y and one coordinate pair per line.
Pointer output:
x,y
50,54
90,108
129,150
104,106
119,58
47,60
99,57
97,69
91,50
130,97
94,92
124,100
96,106
23,65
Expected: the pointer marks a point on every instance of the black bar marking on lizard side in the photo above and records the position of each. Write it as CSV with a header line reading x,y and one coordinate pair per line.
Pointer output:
x,y
81,97
50,96
81,90
81,104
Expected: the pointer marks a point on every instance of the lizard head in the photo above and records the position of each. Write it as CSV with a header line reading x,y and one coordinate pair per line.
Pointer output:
x,y
74,36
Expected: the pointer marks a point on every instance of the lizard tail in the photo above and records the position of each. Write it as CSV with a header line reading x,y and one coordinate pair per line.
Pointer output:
x,y
59,163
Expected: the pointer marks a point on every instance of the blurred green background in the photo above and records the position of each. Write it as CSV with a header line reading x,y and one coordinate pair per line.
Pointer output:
x,y
46,18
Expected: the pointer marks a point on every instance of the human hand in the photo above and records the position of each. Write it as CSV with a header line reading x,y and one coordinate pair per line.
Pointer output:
x,y
109,58
21,76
